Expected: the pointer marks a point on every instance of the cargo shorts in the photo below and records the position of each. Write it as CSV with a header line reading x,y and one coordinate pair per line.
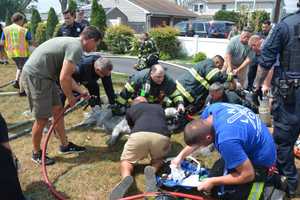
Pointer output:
x,y
141,144
42,95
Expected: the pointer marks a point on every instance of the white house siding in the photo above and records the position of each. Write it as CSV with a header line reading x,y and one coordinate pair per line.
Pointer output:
x,y
134,13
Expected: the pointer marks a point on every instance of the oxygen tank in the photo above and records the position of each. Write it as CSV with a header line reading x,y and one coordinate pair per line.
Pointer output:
x,y
264,111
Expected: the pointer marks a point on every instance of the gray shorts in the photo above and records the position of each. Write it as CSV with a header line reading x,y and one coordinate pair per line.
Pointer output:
x,y
20,61
42,95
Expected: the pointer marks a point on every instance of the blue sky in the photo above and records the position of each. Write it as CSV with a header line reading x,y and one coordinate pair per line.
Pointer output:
x,y
44,5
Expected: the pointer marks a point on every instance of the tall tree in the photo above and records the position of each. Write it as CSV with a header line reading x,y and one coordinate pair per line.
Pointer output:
x,y
63,5
98,16
12,6
51,23
72,6
35,20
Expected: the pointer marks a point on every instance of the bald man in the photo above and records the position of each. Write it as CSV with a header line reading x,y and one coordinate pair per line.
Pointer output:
x,y
154,84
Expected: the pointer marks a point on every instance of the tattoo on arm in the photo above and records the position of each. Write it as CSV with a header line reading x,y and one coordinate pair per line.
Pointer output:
x,y
261,74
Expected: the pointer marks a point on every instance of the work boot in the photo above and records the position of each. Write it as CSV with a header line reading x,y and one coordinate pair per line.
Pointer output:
x,y
150,178
120,190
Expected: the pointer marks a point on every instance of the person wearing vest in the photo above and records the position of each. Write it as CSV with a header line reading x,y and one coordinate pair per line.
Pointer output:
x,y
16,41
153,84
193,85
284,40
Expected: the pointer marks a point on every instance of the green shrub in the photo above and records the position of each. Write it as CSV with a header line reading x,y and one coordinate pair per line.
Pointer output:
x,y
98,16
40,35
51,23
57,27
72,6
198,57
118,38
166,41
135,45
35,19
164,55
227,15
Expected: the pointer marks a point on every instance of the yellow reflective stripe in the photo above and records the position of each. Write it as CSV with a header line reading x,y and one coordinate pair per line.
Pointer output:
x,y
129,88
178,98
174,94
229,77
256,190
212,73
185,93
121,100
201,80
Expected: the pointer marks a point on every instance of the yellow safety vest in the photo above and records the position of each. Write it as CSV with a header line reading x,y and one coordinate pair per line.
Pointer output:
x,y
15,42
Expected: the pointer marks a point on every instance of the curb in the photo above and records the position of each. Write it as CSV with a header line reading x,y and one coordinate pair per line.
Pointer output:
x,y
134,57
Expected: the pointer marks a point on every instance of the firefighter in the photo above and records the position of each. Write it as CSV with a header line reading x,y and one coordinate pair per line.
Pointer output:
x,y
148,53
153,84
194,84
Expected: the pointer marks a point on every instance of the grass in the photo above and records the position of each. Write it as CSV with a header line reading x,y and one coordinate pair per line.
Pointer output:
x,y
90,175
87,176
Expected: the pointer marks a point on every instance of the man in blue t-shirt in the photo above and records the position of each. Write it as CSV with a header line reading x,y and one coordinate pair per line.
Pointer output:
x,y
244,143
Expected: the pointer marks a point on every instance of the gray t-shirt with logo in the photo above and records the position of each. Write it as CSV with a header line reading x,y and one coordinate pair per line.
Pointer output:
x,y
47,59
239,51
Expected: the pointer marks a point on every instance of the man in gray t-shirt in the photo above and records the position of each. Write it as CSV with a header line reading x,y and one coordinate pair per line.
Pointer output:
x,y
239,55
54,61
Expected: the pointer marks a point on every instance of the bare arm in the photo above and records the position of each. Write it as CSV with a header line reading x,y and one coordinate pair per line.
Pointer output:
x,y
66,81
243,174
184,153
228,66
261,75
246,62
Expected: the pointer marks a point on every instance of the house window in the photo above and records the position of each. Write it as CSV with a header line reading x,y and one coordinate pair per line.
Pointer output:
x,y
196,8
199,8
223,6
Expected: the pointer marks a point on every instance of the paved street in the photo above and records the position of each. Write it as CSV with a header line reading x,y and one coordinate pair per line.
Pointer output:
x,y
124,65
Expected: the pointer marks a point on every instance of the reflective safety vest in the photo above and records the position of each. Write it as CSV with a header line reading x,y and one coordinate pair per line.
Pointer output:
x,y
15,43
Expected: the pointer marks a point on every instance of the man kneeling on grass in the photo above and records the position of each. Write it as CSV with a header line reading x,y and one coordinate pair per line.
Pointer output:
x,y
149,135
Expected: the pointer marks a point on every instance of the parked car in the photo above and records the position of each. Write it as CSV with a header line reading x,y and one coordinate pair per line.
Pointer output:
x,y
219,29
212,29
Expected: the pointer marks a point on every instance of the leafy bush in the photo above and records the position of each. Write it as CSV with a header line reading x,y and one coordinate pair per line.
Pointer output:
x,y
118,38
56,29
166,41
51,23
164,55
257,18
40,35
35,19
72,6
198,57
135,44
227,16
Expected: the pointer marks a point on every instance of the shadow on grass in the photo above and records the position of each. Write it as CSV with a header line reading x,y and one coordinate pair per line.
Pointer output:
x,y
36,190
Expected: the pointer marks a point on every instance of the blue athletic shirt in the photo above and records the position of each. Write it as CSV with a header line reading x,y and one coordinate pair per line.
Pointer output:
x,y
240,135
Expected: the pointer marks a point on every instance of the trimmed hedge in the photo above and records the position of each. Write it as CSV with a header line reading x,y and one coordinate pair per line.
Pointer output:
x,y
198,57
166,41
119,38
40,35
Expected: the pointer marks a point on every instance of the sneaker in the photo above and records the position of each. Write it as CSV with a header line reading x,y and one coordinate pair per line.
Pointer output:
x,y
150,179
22,94
16,84
120,190
37,158
71,148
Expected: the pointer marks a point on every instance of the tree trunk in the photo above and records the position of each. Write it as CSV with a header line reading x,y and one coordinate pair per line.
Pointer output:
x,y
277,11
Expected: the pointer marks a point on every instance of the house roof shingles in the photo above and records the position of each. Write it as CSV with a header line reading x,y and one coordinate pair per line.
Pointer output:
x,y
163,7
240,1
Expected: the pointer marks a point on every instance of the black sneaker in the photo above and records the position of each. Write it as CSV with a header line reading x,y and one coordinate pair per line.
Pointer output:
x,y
37,158
71,148
120,190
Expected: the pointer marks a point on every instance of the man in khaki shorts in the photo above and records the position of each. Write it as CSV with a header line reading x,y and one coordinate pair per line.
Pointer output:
x,y
149,136
54,61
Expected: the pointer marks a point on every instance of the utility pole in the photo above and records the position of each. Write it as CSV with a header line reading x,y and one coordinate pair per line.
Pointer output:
x,y
276,11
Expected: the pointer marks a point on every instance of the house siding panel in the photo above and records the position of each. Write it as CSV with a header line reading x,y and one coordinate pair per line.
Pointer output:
x,y
134,13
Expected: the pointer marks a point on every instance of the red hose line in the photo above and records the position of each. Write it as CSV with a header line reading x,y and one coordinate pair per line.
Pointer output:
x,y
177,194
51,187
